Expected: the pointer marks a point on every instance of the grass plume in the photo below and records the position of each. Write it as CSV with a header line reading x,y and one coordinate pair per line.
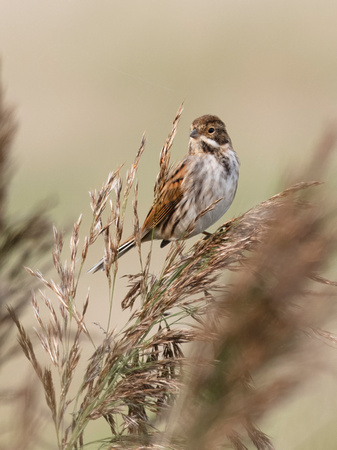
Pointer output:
x,y
24,239
139,379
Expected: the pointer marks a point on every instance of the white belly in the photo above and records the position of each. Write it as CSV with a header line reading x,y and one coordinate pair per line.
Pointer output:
x,y
210,183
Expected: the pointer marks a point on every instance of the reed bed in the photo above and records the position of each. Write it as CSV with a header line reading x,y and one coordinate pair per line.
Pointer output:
x,y
185,371
24,239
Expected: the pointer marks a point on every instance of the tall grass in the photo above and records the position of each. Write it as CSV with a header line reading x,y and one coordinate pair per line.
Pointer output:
x,y
261,325
24,239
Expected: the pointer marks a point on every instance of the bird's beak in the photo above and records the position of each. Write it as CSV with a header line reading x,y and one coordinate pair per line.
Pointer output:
x,y
194,134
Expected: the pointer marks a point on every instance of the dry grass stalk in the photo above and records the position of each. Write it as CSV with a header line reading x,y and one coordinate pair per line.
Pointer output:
x,y
7,131
242,329
23,240
260,324
165,154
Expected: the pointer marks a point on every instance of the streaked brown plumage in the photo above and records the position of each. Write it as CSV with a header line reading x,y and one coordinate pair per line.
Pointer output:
x,y
207,176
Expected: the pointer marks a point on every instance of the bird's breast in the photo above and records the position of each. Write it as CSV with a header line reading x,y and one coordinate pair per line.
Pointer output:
x,y
212,180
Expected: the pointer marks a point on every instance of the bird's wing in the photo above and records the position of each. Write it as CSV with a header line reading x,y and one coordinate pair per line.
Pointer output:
x,y
170,195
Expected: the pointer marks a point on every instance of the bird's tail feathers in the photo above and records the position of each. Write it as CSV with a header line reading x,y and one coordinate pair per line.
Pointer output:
x,y
125,247
97,267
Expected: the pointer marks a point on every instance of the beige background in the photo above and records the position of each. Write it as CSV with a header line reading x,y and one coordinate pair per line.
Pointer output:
x,y
87,78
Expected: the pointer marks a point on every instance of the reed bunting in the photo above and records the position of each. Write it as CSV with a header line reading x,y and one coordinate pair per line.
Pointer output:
x,y
197,191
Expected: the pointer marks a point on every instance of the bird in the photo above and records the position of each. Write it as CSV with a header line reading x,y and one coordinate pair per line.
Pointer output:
x,y
197,191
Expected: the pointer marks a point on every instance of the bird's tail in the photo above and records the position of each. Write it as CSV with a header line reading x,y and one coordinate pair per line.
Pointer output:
x,y
125,247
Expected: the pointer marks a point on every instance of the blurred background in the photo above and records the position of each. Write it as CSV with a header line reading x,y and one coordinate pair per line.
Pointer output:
x,y
87,78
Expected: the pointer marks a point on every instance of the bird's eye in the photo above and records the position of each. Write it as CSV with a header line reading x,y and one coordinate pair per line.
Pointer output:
x,y
211,130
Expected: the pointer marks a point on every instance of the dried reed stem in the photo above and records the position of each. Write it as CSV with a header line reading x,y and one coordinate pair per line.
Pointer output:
x,y
139,376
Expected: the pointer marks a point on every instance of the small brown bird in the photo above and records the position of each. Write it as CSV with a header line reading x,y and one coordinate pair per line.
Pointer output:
x,y
207,176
